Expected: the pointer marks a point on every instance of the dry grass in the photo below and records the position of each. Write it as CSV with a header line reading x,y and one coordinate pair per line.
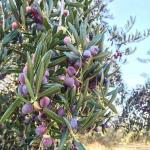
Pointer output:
x,y
98,146
110,143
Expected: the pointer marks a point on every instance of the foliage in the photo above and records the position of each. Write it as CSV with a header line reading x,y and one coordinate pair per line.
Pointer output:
x,y
65,71
135,116
58,44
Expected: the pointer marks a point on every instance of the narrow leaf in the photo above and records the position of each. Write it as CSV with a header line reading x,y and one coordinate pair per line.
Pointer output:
x,y
79,145
75,33
57,61
9,37
69,127
29,68
10,110
39,77
72,48
83,33
96,40
114,94
72,56
50,6
22,98
53,115
63,140
46,24
29,87
93,119
77,4
14,10
46,59
52,90
22,13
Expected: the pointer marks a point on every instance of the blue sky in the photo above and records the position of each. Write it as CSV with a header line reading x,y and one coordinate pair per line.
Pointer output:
x,y
122,10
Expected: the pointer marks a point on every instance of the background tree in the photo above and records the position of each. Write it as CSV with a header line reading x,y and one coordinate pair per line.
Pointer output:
x,y
135,118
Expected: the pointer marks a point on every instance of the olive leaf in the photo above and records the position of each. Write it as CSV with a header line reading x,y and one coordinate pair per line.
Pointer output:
x,y
53,115
7,38
10,110
63,140
14,10
39,77
52,90
30,72
79,145
29,87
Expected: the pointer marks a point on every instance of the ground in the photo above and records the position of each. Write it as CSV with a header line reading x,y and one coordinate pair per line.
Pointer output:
x,y
97,146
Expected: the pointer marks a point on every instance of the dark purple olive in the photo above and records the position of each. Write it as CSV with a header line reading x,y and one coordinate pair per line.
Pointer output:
x,y
71,71
73,108
93,83
61,111
42,116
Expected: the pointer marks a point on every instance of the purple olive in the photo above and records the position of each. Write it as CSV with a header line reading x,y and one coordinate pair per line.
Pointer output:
x,y
73,147
27,108
66,13
94,50
61,111
73,108
77,83
87,54
28,9
61,77
40,130
78,64
74,122
115,56
93,83
14,25
107,125
41,116
69,81
21,78
44,80
46,73
39,26
36,16
71,71
47,141
24,90
20,89
44,101
25,69
67,40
